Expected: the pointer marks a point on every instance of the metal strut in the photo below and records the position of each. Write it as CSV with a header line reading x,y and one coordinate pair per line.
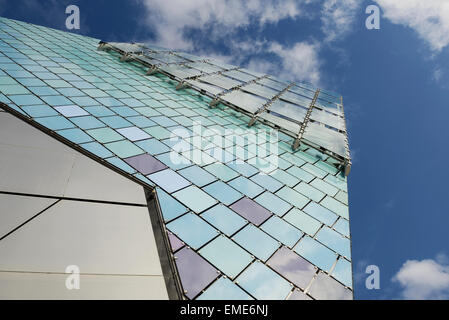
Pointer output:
x,y
216,100
297,142
268,104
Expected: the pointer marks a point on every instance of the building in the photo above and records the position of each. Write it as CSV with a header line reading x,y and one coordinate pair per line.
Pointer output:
x,y
157,174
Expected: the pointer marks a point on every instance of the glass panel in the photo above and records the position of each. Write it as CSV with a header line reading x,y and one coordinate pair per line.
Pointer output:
x,y
303,221
326,288
169,180
246,101
263,283
288,110
224,219
175,243
170,207
195,198
342,272
223,193
292,197
145,164
206,87
316,253
335,241
204,67
224,289
297,270
226,255
246,186
195,272
296,98
279,86
257,242
241,76
299,295
320,213
273,203
192,230
336,206
197,175
220,81
133,133
327,138
328,119
251,211
221,171
260,90
282,231
267,181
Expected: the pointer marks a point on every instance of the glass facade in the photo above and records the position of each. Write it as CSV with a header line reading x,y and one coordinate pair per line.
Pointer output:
x,y
248,214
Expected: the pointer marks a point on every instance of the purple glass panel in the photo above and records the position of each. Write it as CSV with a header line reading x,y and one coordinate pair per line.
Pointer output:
x,y
145,164
326,288
251,211
299,295
293,267
175,243
195,272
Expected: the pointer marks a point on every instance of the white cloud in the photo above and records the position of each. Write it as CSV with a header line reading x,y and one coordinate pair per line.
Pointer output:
x,y
429,18
219,18
224,23
337,17
300,60
424,279
437,74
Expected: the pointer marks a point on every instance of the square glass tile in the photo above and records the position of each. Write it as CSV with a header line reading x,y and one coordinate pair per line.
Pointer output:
x,y
284,177
226,256
298,295
282,231
302,221
224,219
316,253
246,186
173,160
87,122
293,197
195,272
153,146
40,111
273,203
145,163
195,198
294,268
260,244
335,241
342,226
335,206
263,283
224,289
324,187
75,135
124,149
221,171
197,175
193,230
251,211
55,123
116,122
320,213
97,149
25,99
326,288
169,180
104,135
175,243
170,207
342,272
71,111
133,133
300,174
222,192
267,182
309,191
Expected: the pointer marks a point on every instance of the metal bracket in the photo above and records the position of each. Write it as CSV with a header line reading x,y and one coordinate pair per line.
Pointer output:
x,y
215,101
268,104
297,142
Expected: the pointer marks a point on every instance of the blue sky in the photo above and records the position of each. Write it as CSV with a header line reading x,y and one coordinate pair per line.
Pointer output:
x,y
394,85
